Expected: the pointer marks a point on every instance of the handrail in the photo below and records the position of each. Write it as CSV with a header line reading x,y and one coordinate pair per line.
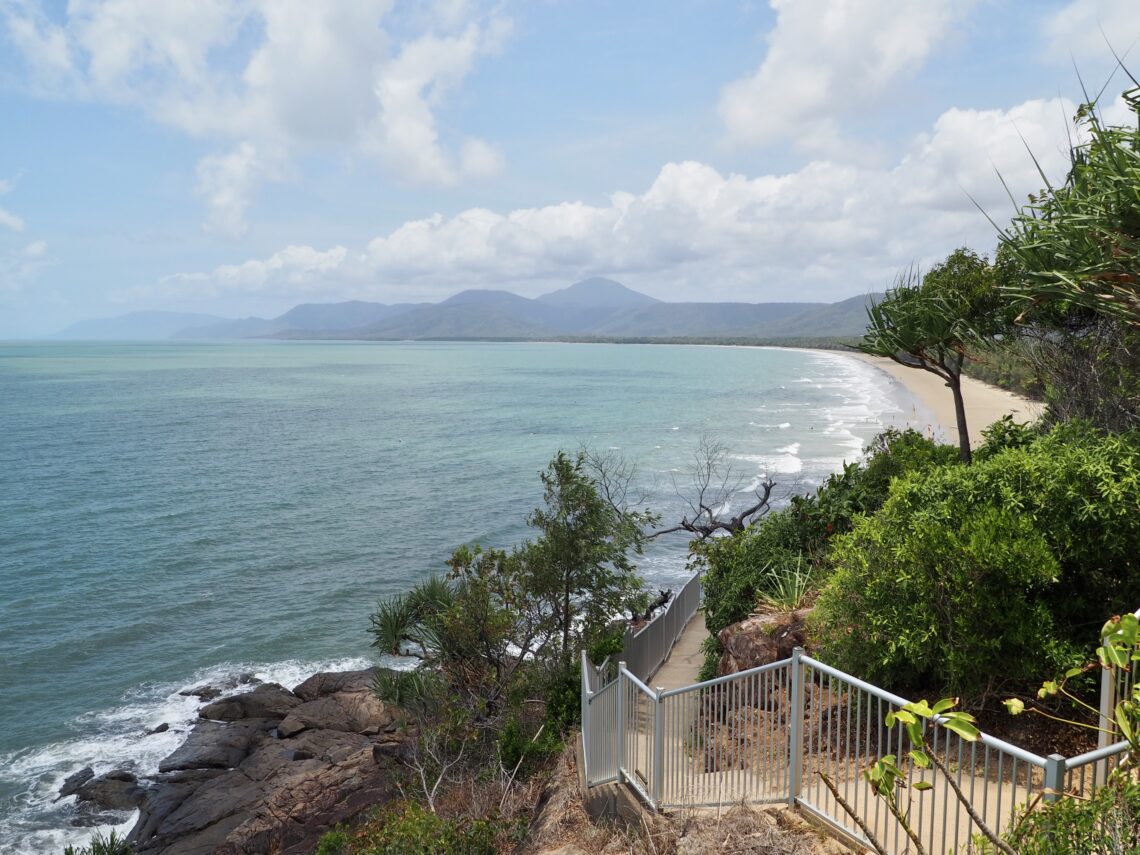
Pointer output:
x,y
1096,754
636,682
871,689
727,678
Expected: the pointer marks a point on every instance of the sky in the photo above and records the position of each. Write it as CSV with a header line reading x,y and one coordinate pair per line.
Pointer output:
x,y
237,158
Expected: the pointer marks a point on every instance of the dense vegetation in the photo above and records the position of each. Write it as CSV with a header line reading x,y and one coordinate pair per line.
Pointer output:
x,y
984,572
497,684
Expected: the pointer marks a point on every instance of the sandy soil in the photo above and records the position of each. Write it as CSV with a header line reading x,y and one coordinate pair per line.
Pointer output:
x,y
985,404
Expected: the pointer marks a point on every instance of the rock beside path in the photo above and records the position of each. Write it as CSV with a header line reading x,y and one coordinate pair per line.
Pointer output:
x,y
760,640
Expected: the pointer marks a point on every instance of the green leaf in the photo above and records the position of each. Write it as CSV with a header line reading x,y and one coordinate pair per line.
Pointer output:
x,y
944,705
964,729
1014,706
1123,723
921,786
920,759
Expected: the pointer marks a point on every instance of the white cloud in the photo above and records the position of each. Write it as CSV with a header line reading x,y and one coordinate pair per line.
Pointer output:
x,y
10,221
827,60
280,76
227,182
1083,29
831,229
36,249
7,219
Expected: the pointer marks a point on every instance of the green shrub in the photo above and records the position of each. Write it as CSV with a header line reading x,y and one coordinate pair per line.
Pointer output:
x,y
736,565
100,845
518,743
777,548
333,842
787,585
1108,823
924,602
409,829
997,568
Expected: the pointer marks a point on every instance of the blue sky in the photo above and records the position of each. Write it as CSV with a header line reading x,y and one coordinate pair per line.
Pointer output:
x,y
240,157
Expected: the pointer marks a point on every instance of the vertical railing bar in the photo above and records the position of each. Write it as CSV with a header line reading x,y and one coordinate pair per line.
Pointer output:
x,y
1001,787
659,748
878,729
847,760
957,803
620,747
817,692
986,784
829,749
795,728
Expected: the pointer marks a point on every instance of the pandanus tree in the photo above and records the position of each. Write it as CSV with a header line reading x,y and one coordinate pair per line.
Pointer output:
x,y
1076,248
932,322
1079,243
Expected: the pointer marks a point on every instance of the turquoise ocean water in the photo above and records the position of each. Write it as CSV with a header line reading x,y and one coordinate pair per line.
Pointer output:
x,y
172,514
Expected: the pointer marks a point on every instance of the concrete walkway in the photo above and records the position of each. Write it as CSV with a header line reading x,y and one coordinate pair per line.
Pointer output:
x,y
684,660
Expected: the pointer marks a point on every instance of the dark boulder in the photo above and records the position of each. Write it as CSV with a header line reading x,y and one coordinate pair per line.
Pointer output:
x,y
350,712
209,691
117,790
268,700
330,682
281,799
73,782
214,745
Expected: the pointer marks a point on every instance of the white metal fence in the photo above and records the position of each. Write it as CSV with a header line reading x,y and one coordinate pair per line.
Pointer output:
x,y
770,733
643,651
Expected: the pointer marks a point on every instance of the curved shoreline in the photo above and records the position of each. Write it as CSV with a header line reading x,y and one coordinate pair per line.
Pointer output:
x,y
985,404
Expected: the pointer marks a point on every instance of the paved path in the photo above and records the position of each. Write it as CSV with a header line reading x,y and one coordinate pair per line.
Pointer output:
x,y
685,659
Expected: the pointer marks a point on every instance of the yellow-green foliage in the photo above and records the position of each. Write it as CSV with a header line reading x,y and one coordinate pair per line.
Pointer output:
x,y
408,829
970,573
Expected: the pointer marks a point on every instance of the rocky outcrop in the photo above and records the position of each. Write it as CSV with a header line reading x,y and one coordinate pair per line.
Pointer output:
x,y
330,682
118,789
268,700
760,640
350,712
266,770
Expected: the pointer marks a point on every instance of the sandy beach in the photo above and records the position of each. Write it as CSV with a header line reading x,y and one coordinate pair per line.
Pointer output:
x,y
985,404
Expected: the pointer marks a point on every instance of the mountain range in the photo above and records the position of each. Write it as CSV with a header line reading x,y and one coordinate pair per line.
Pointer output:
x,y
593,308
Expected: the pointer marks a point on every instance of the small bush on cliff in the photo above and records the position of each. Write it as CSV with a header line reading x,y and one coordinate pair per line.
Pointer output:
x,y
100,845
408,829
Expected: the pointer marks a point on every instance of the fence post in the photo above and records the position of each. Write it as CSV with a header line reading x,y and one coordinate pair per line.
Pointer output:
x,y
658,750
796,728
1054,777
619,736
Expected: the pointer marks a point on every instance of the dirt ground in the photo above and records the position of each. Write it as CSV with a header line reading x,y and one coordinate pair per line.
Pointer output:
x,y
564,828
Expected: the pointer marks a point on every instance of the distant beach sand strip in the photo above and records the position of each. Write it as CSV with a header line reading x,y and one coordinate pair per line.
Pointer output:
x,y
985,404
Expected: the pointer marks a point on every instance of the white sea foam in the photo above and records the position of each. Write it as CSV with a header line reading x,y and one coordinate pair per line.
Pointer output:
x,y
119,738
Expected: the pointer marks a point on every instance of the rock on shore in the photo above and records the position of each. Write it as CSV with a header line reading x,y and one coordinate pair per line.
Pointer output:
x,y
267,770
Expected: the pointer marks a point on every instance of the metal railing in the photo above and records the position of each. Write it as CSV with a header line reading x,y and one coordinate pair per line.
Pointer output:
x,y
770,734
643,651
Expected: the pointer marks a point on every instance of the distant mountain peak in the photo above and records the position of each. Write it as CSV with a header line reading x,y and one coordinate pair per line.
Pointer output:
x,y
597,292
483,296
